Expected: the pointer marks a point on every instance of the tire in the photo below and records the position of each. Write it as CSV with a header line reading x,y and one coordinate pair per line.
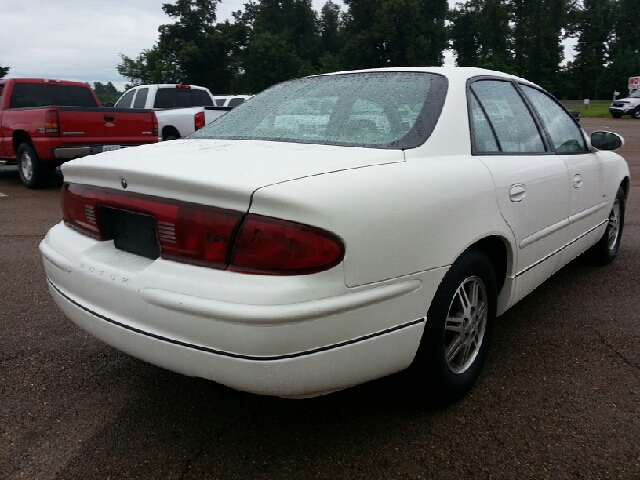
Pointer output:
x,y
170,137
636,114
616,115
606,250
33,172
456,339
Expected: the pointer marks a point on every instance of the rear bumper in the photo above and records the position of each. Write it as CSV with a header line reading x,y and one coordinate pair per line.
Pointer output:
x,y
238,330
69,153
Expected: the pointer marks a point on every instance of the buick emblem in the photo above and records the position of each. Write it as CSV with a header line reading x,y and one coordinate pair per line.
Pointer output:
x,y
123,182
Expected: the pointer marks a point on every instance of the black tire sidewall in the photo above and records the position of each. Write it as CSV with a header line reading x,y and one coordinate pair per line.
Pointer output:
x,y
443,386
40,171
601,252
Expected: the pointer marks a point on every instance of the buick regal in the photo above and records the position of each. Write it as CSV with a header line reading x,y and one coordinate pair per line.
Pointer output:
x,y
336,229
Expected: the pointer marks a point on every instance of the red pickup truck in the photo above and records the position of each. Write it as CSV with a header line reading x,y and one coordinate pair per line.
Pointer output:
x,y
44,123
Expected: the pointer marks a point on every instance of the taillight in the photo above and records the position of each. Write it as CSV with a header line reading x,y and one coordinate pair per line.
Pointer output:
x,y
199,120
209,236
51,124
273,246
154,119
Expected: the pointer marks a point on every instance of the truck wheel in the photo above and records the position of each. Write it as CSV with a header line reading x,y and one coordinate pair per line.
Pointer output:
x,y
636,114
456,338
33,171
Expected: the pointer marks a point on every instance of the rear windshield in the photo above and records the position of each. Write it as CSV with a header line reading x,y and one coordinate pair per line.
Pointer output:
x,y
44,95
373,109
181,98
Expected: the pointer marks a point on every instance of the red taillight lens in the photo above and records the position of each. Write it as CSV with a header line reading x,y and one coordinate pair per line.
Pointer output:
x,y
154,119
79,210
199,120
272,246
209,236
51,123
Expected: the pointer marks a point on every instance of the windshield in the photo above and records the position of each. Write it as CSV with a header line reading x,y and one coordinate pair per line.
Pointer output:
x,y
635,94
372,109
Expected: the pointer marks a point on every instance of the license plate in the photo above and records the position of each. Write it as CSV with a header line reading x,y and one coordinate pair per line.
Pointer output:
x,y
132,232
110,148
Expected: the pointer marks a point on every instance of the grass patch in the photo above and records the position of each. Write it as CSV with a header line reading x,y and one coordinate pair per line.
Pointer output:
x,y
596,108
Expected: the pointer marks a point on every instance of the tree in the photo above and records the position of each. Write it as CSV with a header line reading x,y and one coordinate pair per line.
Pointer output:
x,y
538,28
593,26
387,33
106,93
284,42
481,35
3,71
193,49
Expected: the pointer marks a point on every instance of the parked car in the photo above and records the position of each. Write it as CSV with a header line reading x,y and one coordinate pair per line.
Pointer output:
x,y
626,106
230,100
336,229
181,109
44,123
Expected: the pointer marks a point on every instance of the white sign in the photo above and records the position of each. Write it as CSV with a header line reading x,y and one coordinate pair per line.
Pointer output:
x,y
634,83
586,101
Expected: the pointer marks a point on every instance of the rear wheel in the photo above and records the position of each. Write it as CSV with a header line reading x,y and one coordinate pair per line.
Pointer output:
x,y
606,250
636,114
33,171
459,329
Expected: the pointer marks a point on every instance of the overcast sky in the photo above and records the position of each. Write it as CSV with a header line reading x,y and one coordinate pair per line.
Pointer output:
x,y
83,39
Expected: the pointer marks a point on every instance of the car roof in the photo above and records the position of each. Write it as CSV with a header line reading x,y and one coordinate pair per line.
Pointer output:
x,y
451,72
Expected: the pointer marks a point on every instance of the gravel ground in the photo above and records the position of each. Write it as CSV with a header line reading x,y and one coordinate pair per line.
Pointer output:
x,y
559,398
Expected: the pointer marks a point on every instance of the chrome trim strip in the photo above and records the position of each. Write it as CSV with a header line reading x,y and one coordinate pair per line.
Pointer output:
x,y
560,249
201,348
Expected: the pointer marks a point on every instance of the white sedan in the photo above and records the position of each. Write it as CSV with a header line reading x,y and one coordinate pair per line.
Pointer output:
x,y
336,229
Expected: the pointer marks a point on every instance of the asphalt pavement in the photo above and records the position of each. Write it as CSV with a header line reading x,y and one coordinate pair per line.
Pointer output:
x,y
559,397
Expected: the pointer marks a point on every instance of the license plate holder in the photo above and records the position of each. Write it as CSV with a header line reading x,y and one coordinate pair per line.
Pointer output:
x,y
132,232
111,148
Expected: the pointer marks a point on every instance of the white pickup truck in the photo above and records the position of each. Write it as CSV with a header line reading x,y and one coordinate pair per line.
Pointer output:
x,y
181,109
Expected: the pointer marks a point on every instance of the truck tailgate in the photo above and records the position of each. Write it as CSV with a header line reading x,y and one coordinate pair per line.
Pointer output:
x,y
106,125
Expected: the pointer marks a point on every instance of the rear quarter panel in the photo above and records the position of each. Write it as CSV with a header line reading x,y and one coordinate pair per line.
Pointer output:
x,y
395,219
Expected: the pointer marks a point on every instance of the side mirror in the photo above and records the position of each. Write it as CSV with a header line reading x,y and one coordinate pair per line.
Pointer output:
x,y
606,140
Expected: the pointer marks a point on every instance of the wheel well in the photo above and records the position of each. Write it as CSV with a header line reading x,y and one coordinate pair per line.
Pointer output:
x,y
20,137
170,130
626,184
496,250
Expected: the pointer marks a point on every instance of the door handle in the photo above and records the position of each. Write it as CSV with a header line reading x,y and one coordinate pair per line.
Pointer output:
x,y
577,181
109,118
517,192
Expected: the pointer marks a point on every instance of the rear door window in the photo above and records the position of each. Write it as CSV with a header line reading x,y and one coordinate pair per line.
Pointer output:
x,y
141,98
125,100
513,126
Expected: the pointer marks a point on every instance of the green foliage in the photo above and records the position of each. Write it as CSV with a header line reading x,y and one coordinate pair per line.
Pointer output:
x,y
481,35
391,33
106,93
274,40
3,71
